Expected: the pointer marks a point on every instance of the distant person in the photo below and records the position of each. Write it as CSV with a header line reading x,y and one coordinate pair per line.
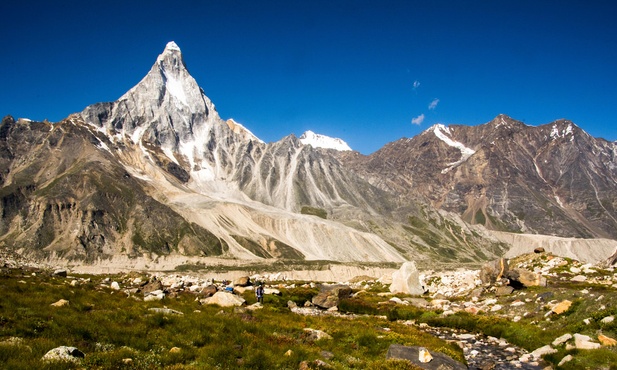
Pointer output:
x,y
259,293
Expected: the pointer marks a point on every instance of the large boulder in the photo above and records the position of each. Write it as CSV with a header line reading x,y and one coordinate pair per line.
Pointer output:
x,y
407,280
208,291
224,299
242,281
493,270
525,278
330,295
412,354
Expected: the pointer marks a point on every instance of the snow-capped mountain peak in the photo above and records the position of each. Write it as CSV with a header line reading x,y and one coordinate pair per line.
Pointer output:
x,y
172,46
322,141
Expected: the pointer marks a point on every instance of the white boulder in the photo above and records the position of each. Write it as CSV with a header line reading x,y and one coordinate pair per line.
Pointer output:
x,y
407,280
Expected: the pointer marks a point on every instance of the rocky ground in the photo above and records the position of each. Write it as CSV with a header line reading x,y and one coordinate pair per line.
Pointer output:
x,y
575,301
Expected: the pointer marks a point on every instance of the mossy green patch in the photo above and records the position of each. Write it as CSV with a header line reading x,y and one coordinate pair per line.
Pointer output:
x,y
314,211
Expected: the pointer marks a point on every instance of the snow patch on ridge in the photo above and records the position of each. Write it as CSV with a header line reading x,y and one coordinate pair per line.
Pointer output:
x,y
322,141
441,131
556,133
172,46
175,88
238,128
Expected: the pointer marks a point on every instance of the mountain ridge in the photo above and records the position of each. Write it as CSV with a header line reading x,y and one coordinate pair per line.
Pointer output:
x,y
159,173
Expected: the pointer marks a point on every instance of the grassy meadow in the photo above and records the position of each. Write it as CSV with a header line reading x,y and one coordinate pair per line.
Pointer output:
x,y
119,332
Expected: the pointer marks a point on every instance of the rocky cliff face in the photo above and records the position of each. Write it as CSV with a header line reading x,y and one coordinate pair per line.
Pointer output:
x,y
553,179
62,194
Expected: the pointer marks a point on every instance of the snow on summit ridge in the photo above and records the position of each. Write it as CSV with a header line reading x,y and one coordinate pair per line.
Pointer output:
x,y
322,141
172,46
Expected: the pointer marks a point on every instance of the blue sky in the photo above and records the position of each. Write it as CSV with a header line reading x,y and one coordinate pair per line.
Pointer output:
x,y
368,72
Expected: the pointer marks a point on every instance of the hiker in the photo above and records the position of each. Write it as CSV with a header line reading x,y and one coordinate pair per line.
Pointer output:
x,y
259,292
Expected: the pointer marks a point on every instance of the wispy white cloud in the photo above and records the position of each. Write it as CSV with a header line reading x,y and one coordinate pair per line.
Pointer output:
x,y
433,104
416,84
418,120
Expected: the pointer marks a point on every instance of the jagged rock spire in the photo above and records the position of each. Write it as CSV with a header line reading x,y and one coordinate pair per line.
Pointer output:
x,y
166,106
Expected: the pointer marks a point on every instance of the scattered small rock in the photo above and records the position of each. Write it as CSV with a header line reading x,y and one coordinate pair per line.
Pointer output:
x,y
607,341
60,303
579,278
545,350
584,342
503,291
314,334
64,353
561,307
165,311
567,358
562,339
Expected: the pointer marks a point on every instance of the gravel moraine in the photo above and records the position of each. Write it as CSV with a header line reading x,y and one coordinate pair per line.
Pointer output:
x,y
482,352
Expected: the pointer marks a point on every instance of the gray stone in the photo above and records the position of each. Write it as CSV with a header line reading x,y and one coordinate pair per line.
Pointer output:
x,y
579,278
503,291
151,286
562,339
329,296
545,297
411,354
584,342
545,350
491,271
157,295
64,353
526,278
208,291
165,311
243,281
567,358
314,334
476,293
